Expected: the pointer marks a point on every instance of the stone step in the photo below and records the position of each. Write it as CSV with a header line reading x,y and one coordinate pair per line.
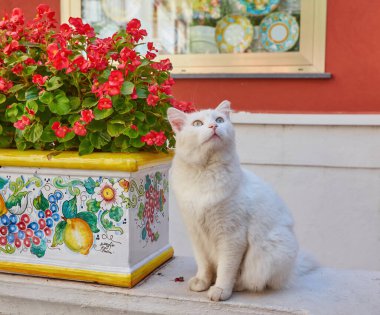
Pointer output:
x,y
323,291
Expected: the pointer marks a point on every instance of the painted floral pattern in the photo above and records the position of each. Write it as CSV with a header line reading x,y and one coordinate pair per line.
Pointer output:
x,y
81,215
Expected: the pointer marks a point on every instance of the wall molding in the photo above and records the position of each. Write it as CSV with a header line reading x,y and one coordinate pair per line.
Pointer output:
x,y
306,119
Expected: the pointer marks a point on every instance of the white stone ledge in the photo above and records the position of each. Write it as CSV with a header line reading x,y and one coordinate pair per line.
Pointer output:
x,y
325,291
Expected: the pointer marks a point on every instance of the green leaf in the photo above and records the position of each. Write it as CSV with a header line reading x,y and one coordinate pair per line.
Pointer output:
x,y
90,185
142,92
151,119
122,142
29,70
91,219
3,182
93,205
85,147
140,115
95,125
69,208
116,213
68,137
48,135
15,88
58,235
33,133
53,83
15,200
115,130
127,88
11,113
137,143
89,102
41,203
32,105
99,139
131,133
101,114
61,104
32,93
46,97
20,95
3,98
74,102
39,250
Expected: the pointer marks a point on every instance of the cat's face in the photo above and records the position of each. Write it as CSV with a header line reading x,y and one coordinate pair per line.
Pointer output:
x,y
202,132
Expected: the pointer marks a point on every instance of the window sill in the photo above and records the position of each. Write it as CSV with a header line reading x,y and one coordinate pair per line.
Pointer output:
x,y
252,75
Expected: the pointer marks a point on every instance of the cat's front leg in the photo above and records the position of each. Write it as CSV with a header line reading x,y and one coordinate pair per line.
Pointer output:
x,y
229,260
206,273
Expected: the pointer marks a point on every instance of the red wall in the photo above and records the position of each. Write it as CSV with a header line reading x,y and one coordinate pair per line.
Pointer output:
x,y
28,7
352,57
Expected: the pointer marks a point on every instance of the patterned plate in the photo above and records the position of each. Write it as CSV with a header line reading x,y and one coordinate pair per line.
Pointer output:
x,y
279,31
233,34
260,7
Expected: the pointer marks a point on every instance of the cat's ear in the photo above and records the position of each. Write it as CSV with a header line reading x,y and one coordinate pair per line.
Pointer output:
x,y
224,107
176,118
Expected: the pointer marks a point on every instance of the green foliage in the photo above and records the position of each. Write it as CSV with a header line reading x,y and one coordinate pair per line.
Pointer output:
x,y
54,96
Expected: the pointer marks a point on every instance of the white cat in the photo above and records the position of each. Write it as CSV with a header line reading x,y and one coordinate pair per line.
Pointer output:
x,y
241,231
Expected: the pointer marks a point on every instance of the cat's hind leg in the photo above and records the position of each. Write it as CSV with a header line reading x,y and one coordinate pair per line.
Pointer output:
x,y
269,263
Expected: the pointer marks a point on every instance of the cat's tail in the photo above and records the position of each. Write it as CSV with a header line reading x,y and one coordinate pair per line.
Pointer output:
x,y
305,263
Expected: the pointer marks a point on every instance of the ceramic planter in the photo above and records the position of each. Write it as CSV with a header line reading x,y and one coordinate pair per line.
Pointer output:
x,y
98,218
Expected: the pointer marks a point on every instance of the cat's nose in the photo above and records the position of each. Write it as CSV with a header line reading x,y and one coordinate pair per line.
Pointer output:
x,y
213,126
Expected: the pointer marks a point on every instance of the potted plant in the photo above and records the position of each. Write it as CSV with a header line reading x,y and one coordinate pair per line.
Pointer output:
x,y
84,158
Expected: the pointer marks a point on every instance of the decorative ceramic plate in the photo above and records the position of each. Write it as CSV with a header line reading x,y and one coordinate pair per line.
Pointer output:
x,y
260,7
279,31
233,34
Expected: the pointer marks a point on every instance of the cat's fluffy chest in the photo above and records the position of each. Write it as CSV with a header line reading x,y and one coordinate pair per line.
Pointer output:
x,y
202,188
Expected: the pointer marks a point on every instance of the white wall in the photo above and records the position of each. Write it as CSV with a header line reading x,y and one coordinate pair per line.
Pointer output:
x,y
327,169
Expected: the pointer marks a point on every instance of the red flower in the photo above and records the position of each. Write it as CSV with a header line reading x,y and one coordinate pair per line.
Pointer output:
x,y
30,111
153,89
116,78
104,103
79,129
39,79
152,100
186,107
17,16
79,62
149,55
30,61
133,28
154,138
151,47
5,85
82,29
87,115
134,95
66,31
17,69
59,130
22,123
163,65
13,46
58,56
134,127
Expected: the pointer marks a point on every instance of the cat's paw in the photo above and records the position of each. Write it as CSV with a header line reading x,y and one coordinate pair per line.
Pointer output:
x,y
218,294
198,285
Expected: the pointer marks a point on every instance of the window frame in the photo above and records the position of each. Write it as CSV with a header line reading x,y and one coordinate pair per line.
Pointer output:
x,y
310,58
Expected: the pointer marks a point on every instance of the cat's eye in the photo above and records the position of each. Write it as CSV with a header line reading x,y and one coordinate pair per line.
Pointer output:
x,y
197,123
219,120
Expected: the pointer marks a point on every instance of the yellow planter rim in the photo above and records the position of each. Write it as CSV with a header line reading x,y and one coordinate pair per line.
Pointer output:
x,y
125,162
102,277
